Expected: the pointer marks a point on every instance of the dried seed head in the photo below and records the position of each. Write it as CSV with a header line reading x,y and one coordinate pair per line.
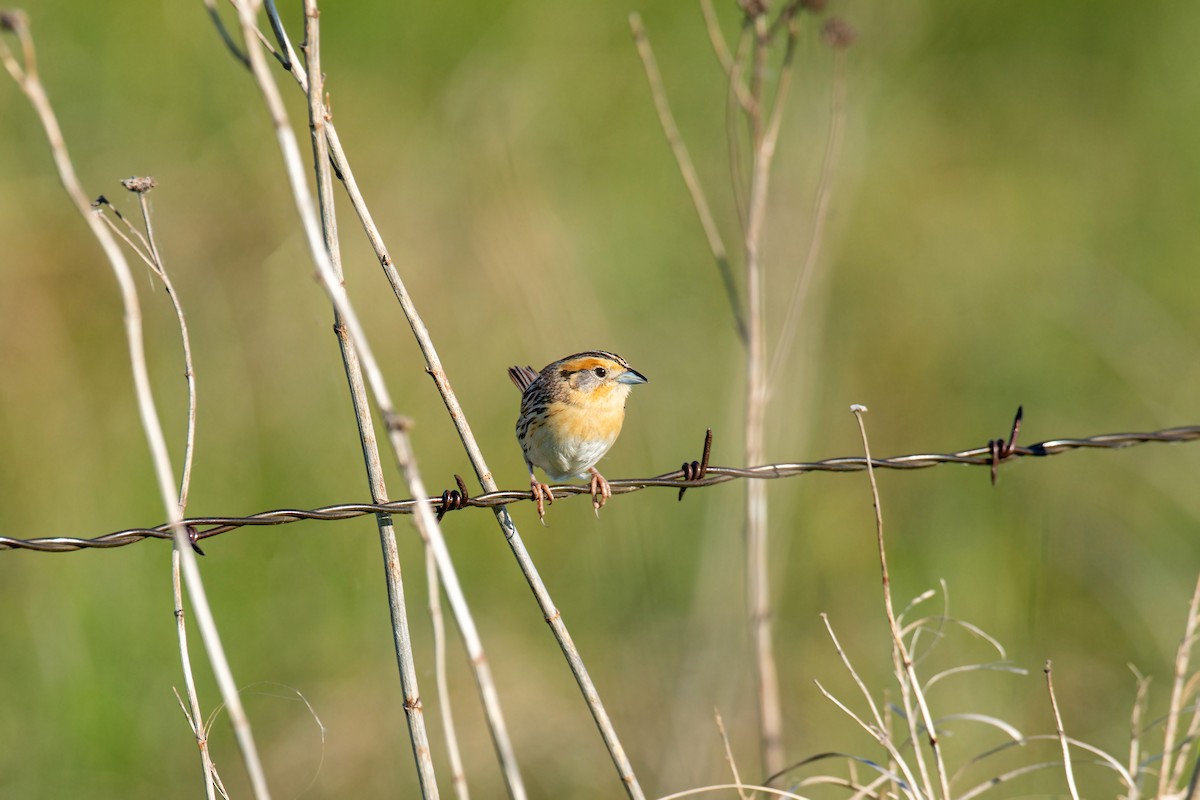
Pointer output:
x,y
139,185
814,6
837,33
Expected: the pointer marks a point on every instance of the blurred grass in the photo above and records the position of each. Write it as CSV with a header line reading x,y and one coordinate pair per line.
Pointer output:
x,y
1012,223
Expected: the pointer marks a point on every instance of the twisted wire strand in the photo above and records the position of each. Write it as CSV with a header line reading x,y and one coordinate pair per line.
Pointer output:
x,y
207,527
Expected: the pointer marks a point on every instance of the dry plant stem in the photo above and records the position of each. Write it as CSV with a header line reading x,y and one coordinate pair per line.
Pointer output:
x,y
737,778
882,728
458,775
1062,736
324,252
833,153
720,48
858,681
194,716
757,578
434,367
715,37
151,258
879,735
1136,716
27,78
687,169
430,530
184,484
910,686
160,270
1171,772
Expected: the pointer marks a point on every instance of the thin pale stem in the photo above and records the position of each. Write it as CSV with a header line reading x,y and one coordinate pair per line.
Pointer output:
x,y
881,736
729,759
720,48
525,562
1172,768
27,78
858,681
194,715
160,270
906,672
770,712
426,524
1136,715
184,484
326,253
458,775
688,171
1062,736
713,26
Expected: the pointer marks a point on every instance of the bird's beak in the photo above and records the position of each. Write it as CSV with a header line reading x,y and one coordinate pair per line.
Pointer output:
x,y
631,377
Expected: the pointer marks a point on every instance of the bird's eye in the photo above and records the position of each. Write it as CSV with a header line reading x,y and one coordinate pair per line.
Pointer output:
x,y
600,372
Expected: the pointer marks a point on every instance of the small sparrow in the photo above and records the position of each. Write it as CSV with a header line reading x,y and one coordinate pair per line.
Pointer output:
x,y
571,413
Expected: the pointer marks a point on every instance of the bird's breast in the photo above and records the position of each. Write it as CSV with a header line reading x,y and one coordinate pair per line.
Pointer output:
x,y
572,439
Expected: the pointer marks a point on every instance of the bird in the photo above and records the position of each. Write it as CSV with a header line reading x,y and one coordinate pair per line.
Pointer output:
x,y
571,413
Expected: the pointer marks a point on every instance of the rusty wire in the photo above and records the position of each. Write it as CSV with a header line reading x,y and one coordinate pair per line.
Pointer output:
x,y
693,475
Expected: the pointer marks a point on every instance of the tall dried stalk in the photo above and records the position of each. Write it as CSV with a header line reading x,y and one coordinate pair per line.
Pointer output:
x,y
150,255
913,697
746,68
549,611
27,78
146,249
437,553
247,11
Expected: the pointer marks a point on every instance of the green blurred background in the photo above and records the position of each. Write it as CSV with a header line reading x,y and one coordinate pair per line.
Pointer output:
x,y
1014,221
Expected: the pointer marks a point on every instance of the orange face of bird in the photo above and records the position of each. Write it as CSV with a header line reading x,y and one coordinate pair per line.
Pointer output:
x,y
595,379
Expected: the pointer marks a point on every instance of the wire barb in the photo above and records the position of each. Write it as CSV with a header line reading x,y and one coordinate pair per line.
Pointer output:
x,y
454,500
207,527
1001,450
696,470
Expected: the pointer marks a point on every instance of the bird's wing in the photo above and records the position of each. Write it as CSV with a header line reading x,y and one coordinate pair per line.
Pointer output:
x,y
522,376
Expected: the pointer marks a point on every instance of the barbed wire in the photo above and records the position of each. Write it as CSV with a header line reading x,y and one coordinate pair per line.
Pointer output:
x,y
693,475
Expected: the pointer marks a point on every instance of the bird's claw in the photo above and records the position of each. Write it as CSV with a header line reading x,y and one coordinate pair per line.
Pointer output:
x,y
601,491
541,493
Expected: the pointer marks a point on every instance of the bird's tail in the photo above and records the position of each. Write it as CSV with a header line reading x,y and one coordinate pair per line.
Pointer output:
x,y
522,376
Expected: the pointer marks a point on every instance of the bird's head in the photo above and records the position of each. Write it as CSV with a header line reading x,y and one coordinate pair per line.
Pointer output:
x,y
594,376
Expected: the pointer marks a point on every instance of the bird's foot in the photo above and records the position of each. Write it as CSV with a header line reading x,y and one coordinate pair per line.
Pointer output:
x,y
600,491
541,494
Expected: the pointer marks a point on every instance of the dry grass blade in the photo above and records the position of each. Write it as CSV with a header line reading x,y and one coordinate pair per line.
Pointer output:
x,y
1171,774
737,778
27,78
721,787
858,681
1102,759
909,782
966,668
